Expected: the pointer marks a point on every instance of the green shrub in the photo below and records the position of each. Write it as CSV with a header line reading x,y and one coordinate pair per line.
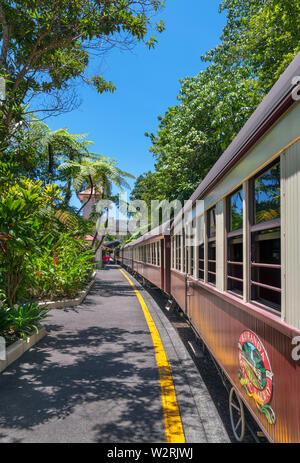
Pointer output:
x,y
62,270
24,319
19,321
23,228
5,319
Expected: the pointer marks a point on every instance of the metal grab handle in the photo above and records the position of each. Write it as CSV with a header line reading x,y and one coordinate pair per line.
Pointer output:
x,y
188,287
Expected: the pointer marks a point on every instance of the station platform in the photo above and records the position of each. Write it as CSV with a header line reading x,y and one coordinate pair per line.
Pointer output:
x,y
111,370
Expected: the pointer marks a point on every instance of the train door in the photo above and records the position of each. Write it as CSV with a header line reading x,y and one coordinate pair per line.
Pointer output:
x,y
162,263
189,267
167,264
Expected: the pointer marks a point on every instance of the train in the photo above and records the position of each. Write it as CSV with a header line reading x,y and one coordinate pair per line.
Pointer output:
x,y
239,283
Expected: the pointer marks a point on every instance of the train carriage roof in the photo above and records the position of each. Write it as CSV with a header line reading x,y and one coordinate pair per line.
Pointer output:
x,y
161,230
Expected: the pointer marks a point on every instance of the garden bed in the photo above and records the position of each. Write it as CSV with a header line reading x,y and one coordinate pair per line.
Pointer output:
x,y
69,302
15,345
18,348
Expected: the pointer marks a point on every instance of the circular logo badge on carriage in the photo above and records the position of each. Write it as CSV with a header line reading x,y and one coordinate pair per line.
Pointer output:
x,y
255,369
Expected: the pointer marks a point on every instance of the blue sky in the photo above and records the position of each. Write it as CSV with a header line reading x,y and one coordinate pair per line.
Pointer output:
x,y
147,84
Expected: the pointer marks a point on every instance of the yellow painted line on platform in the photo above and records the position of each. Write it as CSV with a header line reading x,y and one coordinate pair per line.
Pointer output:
x,y
172,419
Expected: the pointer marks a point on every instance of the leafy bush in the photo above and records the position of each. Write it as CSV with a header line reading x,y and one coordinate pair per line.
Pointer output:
x,y
62,270
5,319
39,257
19,321
25,318
23,228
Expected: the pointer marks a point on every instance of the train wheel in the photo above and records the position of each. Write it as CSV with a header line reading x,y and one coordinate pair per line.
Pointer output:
x,y
237,415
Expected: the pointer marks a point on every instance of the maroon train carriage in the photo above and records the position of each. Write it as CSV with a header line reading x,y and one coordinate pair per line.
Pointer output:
x,y
149,256
239,284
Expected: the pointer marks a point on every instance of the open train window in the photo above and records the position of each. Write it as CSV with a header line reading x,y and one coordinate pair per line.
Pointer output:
x,y
190,251
235,242
178,252
185,266
211,238
265,238
201,247
201,262
172,252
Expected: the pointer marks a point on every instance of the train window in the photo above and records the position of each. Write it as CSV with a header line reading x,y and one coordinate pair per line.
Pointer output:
x,y
266,268
265,281
211,235
178,252
185,266
236,211
200,237
235,242
201,262
192,252
267,195
189,265
211,222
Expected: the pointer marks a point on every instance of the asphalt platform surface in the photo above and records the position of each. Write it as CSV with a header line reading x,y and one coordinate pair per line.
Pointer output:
x,y
94,378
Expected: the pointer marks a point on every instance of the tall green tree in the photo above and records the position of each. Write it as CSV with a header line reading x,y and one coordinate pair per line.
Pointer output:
x,y
191,136
45,45
262,36
259,41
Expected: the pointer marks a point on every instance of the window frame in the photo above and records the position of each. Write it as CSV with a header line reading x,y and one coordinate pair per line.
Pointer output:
x,y
255,228
211,240
239,233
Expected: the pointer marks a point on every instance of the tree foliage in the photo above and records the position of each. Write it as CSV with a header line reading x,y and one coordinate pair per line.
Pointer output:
x,y
259,41
45,45
262,36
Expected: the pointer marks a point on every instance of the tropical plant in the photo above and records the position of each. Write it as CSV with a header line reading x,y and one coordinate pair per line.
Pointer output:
x,y
61,270
5,320
98,176
24,319
22,229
